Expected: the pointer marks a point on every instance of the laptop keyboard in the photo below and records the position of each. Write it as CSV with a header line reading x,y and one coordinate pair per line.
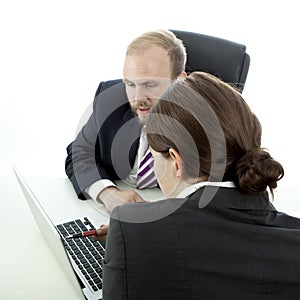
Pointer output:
x,y
85,254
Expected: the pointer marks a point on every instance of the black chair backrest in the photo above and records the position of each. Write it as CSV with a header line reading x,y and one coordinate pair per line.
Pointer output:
x,y
225,59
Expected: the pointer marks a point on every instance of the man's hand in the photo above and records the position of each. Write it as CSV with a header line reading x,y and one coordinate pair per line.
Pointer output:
x,y
112,197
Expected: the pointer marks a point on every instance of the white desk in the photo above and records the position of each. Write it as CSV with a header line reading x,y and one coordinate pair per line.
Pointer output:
x,y
28,268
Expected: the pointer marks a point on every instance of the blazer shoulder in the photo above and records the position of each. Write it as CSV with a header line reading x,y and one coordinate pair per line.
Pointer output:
x,y
103,85
110,96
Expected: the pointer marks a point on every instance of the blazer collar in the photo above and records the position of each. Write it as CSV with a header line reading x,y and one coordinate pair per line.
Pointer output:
x,y
129,114
234,199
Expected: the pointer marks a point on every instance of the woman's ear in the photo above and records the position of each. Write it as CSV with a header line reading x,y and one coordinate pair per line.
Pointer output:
x,y
177,161
182,75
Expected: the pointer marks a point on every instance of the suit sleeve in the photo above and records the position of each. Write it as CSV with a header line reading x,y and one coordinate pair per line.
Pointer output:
x,y
82,164
114,267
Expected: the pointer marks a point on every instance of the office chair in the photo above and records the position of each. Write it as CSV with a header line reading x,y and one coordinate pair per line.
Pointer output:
x,y
225,59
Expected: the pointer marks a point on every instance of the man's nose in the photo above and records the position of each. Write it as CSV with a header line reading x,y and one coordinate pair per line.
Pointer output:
x,y
140,94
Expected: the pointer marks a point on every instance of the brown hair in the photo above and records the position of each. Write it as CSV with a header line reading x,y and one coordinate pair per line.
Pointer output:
x,y
166,40
217,136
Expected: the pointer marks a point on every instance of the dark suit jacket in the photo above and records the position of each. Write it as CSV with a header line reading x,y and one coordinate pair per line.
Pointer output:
x,y
106,146
238,247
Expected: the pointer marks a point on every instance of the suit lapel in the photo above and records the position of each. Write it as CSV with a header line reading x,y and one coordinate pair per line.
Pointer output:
x,y
125,145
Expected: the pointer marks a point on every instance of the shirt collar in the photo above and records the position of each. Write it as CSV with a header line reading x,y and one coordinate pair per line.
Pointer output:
x,y
193,188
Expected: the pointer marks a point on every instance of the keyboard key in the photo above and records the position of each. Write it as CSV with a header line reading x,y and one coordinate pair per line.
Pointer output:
x,y
85,252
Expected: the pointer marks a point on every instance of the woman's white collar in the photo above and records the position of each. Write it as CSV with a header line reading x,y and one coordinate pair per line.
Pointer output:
x,y
191,189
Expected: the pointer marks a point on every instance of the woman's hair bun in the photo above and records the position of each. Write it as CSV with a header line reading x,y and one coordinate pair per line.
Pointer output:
x,y
256,170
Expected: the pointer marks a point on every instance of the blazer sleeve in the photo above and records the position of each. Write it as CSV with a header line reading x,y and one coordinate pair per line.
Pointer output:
x,y
114,266
82,164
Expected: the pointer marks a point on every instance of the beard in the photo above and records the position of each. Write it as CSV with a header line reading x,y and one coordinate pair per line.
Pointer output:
x,y
141,109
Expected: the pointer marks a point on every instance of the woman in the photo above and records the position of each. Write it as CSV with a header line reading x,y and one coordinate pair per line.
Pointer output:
x,y
217,236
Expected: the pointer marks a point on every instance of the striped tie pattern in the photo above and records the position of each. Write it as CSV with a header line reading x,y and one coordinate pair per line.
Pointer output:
x,y
145,176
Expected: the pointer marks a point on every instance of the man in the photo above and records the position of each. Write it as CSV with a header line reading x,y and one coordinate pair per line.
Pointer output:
x,y
112,144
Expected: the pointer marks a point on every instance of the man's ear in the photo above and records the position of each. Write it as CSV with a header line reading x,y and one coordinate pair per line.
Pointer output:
x,y
177,161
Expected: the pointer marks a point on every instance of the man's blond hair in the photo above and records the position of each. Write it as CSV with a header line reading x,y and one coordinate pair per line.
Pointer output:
x,y
166,40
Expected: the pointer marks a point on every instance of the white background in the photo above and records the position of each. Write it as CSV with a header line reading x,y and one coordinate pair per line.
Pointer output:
x,y
54,54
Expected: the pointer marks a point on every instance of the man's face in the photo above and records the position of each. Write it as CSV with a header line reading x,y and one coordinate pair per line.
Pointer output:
x,y
146,77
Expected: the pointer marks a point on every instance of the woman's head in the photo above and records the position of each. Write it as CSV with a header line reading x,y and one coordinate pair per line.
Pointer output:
x,y
217,137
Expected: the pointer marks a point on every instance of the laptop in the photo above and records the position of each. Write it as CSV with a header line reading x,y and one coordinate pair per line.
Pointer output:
x,y
80,258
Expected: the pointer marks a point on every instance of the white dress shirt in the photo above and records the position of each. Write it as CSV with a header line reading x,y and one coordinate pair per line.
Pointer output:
x,y
193,188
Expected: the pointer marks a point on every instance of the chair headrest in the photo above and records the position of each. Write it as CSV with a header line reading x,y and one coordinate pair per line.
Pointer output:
x,y
220,57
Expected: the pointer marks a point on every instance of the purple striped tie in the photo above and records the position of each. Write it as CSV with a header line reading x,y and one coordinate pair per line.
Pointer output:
x,y
145,176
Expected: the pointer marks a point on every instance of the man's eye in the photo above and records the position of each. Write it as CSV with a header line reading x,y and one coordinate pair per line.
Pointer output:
x,y
149,85
129,84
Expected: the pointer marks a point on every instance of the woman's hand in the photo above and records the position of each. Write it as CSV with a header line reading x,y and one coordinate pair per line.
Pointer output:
x,y
101,233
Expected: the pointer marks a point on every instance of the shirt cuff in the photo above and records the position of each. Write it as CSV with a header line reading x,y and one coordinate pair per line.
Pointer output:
x,y
97,187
